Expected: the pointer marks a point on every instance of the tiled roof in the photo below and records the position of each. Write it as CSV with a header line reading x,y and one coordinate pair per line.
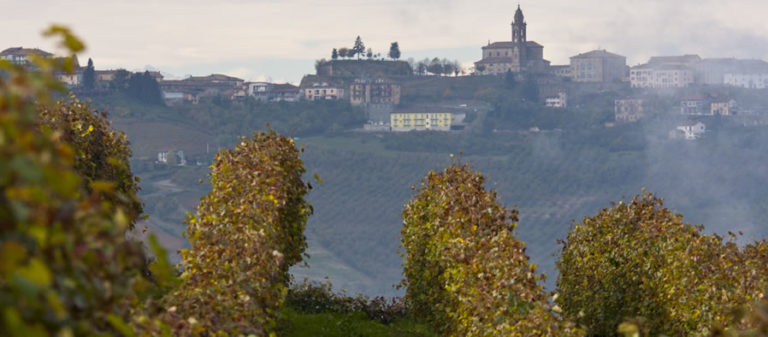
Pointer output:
x,y
20,51
683,59
596,54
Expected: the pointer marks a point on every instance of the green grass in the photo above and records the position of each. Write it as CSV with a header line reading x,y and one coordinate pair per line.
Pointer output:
x,y
295,324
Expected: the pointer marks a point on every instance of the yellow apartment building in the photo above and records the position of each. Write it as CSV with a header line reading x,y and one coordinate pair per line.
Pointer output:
x,y
420,121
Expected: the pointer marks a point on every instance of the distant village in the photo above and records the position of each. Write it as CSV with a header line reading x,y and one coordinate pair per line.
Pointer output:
x,y
378,84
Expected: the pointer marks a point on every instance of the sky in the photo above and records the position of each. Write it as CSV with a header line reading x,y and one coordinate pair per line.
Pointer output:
x,y
279,40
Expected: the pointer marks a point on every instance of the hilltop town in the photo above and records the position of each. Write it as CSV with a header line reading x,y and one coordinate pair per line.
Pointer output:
x,y
438,95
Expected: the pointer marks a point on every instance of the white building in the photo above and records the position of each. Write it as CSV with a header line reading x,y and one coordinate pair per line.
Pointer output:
x,y
749,81
658,77
20,55
665,72
689,131
557,102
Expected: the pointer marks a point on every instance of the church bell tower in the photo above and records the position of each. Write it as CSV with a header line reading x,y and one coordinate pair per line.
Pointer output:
x,y
518,27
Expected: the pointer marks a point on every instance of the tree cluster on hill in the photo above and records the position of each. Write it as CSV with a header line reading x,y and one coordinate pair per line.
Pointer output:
x,y
359,50
437,66
144,88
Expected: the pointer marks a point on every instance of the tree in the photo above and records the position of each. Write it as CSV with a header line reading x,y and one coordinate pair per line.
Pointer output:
x,y
638,259
394,51
120,80
144,88
319,64
448,67
344,52
457,69
358,48
369,54
465,272
509,80
89,76
435,66
531,89
244,237
422,66
334,54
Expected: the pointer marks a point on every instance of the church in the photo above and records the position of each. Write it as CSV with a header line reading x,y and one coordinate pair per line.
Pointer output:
x,y
518,55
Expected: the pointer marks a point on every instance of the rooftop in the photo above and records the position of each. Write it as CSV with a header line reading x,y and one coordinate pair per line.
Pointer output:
x,y
20,51
598,53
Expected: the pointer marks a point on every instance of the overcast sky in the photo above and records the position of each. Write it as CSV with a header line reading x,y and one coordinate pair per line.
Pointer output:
x,y
280,39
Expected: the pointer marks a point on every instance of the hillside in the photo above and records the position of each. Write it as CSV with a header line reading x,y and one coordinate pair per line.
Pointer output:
x,y
552,178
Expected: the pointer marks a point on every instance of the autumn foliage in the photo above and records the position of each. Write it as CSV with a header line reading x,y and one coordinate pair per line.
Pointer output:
x,y
101,153
638,260
247,231
67,268
465,272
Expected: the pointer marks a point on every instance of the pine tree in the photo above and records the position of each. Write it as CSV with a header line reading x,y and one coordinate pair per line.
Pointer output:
x,y
89,76
334,54
359,47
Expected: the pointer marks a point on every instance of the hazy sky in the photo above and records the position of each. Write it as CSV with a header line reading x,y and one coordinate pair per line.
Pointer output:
x,y
280,39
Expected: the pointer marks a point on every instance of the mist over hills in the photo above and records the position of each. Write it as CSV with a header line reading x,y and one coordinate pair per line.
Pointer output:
x,y
552,177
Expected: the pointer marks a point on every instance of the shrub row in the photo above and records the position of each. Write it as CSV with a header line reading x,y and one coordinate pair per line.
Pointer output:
x,y
246,233
465,272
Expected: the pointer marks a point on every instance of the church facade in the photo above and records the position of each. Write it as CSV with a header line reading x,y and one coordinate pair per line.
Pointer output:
x,y
518,55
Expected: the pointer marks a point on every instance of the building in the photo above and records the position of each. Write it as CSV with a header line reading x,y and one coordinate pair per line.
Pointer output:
x,y
628,110
271,92
195,87
557,102
689,131
665,72
377,91
723,107
315,88
260,91
21,56
560,71
71,80
421,121
659,77
285,92
598,66
712,71
695,105
747,80
517,55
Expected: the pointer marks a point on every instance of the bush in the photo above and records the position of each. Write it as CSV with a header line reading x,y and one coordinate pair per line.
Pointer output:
x,y
101,153
466,273
639,260
67,267
247,231
315,297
